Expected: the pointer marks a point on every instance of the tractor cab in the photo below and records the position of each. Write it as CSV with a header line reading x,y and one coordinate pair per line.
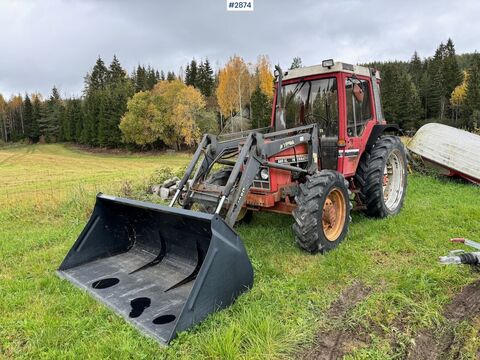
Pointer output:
x,y
339,98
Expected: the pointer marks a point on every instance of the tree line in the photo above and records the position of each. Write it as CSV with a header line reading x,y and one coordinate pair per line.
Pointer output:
x,y
442,88
151,109
176,113
92,119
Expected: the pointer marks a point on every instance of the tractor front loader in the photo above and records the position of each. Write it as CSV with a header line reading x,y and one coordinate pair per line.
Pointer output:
x,y
165,268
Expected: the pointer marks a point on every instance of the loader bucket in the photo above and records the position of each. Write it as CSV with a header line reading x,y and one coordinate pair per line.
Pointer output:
x,y
163,269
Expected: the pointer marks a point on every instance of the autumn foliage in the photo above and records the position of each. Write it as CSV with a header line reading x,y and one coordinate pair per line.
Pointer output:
x,y
168,113
264,75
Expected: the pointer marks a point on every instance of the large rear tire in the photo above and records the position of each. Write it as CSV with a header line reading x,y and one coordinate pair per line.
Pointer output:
x,y
322,214
382,177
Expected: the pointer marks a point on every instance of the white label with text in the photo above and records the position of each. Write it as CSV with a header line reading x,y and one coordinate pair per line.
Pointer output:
x,y
246,5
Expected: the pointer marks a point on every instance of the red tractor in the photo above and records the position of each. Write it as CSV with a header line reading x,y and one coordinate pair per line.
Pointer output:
x,y
328,145
328,138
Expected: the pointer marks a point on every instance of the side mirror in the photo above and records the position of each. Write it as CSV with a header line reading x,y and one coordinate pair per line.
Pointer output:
x,y
358,93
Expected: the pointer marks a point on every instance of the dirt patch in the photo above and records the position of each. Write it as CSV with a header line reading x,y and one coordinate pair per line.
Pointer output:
x,y
335,343
465,305
425,346
348,299
432,344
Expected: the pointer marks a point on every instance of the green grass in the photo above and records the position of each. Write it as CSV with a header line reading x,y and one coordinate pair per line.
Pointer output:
x,y
42,316
43,172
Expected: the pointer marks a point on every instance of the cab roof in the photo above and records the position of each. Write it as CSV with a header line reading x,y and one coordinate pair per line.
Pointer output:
x,y
319,69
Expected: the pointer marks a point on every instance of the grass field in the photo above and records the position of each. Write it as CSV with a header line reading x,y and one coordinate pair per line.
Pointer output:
x,y
36,171
47,193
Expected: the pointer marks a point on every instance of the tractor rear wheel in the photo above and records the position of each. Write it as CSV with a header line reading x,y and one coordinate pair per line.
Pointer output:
x,y
382,177
322,214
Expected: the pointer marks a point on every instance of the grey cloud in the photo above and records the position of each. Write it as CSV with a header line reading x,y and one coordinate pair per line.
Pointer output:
x,y
43,43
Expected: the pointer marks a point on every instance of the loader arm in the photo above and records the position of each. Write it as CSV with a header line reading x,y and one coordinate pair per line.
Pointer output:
x,y
253,153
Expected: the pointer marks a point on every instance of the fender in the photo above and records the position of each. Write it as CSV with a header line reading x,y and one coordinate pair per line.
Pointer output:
x,y
378,130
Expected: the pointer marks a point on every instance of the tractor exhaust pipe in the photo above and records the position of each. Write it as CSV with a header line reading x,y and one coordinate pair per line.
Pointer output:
x,y
280,123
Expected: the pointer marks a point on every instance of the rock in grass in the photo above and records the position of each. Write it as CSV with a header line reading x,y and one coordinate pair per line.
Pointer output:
x,y
170,182
164,193
155,189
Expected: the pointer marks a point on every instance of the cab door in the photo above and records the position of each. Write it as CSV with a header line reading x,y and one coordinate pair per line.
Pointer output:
x,y
360,118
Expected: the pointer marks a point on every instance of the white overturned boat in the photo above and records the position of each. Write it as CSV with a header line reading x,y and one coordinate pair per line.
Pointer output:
x,y
455,151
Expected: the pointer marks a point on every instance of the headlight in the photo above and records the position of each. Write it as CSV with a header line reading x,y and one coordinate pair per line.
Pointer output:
x,y
264,174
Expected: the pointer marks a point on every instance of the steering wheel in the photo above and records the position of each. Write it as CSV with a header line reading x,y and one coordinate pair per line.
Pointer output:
x,y
315,117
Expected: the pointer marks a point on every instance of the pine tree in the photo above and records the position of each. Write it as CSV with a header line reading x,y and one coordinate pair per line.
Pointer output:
x,y
38,114
410,112
115,72
401,102
140,79
103,122
28,118
471,111
390,100
435,104
66,128
78,119
171,76
64,122
92,119
97,79
451,72
50,124
423,89
191,74
205,80
415,68
113,103
187,74
162,75
261,108
95,88
444,76
151,78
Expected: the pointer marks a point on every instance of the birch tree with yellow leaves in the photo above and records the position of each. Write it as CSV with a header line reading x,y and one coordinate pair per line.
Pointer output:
x,y
234,83
457,98
264,75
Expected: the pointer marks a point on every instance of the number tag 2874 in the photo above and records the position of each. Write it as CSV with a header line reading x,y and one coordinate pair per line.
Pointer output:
x,y
246,5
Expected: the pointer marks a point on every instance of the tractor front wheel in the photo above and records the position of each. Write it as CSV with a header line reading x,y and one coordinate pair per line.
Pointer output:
x,y
323,211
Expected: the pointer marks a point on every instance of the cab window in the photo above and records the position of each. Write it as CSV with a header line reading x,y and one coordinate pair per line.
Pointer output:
x,y
309,102
359,111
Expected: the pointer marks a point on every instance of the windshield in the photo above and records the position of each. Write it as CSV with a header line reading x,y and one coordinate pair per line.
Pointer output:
x,y
309,102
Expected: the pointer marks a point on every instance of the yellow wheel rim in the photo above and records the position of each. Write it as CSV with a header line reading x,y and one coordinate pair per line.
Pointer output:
x,y
241,214
333,214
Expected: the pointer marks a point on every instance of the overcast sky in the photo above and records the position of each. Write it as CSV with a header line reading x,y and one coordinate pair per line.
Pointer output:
x,y
43,43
